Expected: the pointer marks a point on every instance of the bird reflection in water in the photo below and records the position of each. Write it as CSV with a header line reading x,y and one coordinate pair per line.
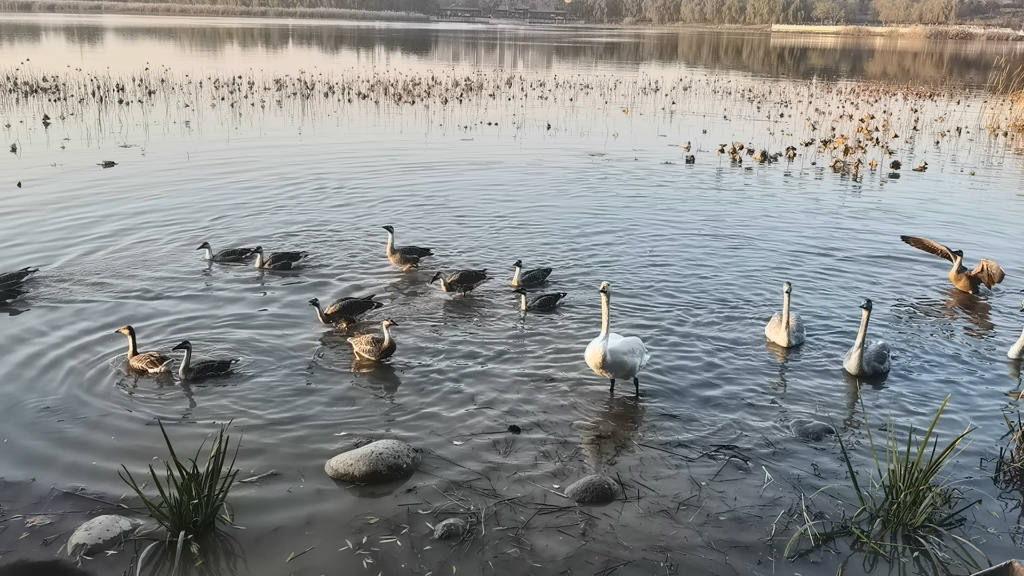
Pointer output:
x,y
975,309
782,356
854,384
380,378
612,430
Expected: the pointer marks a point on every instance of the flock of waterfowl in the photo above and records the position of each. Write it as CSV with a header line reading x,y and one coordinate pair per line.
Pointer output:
x,y
609,355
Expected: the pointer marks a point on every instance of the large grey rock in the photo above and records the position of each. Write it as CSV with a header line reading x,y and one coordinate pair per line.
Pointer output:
x,y
593,489
102,533
811,430
376,463
450,528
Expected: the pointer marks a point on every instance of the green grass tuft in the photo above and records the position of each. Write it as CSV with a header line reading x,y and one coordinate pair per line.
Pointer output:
x,y
906,511
190,496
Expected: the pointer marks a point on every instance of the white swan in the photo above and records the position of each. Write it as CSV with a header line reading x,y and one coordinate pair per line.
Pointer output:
x,y
613,356
1017,350
867,358
786,329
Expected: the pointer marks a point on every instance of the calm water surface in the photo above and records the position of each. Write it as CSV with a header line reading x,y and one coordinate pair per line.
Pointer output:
x,y
590,182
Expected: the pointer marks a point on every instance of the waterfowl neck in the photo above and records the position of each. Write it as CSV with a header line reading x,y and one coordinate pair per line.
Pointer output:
x,y
523,306
133,349
183,368
259,259
207,253
606,313
1017,351
785,310
319,312
865,317
390,248
958,261
517,274
386,328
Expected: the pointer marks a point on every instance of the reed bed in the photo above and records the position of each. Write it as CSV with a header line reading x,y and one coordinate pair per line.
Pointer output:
x,y
182,9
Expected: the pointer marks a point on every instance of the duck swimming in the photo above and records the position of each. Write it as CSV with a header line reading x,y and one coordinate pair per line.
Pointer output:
x,y
277,260
987,272
203,369
543,303
867,358
613,356
232,255
344,310
460,281
529,278
407,257
150,362
375,347
785,329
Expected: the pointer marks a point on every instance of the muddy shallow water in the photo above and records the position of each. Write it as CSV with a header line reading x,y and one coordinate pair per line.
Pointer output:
x,y
585,175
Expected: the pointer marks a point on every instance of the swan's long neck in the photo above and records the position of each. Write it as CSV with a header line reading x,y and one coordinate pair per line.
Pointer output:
x,y
183,369
785,312
387,335
259,259
606,314
516,275
1017,351
320,314
132,347
390,249
208,254
863,333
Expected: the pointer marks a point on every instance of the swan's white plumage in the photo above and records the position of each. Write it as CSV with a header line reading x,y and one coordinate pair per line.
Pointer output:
x,y
780,333
611,355
1017,350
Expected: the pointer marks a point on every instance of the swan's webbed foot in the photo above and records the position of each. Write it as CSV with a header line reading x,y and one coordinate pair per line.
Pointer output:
x,y
636,382
612,389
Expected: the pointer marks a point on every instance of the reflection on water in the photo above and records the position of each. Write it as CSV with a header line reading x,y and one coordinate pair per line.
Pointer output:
x,y
612,431
131,42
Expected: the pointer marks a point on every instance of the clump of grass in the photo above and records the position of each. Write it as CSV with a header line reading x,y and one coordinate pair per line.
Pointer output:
x,y
190,495
1010,466
907,510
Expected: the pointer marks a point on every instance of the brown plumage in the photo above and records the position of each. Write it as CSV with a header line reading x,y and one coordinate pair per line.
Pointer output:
x,y
375,346
987,272
151,362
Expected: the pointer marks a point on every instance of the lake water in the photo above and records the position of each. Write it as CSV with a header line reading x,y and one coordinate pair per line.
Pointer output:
x,y
560,147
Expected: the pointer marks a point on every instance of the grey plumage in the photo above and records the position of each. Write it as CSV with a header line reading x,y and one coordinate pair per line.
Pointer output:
x,y
233,255
528,278
345,310
204,368
543,303
277,260
461,281
14,279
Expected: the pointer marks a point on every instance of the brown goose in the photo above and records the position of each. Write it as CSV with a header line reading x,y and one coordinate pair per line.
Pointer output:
x,y
461,281
529,278
204,369
987,272
14,279
344,310
407,257
375,347
151,362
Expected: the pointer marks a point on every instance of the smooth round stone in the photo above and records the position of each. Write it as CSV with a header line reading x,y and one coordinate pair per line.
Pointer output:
x,y
450,528
102,533
376,463
811,430
593,489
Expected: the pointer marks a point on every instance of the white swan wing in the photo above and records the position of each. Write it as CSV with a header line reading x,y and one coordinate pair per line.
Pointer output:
x,y
776,334
625,356
796,329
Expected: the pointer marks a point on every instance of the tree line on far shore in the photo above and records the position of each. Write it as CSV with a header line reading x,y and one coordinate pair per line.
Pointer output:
x,y
1008,13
